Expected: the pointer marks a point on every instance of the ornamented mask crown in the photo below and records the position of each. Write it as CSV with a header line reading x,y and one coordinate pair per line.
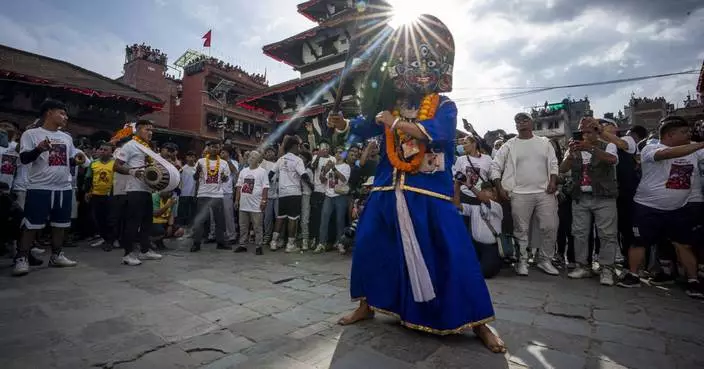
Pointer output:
x,y
422,56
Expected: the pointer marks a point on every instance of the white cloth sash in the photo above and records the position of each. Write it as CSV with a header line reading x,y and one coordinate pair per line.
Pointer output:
x,y
421,284
174,175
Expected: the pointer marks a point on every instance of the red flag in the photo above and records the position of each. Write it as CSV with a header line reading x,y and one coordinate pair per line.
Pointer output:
x,y
207,37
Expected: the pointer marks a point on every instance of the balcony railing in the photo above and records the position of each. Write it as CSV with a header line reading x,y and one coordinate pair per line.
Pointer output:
x,y
554,132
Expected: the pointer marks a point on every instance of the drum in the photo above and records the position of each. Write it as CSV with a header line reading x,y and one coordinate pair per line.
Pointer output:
x,y
157,177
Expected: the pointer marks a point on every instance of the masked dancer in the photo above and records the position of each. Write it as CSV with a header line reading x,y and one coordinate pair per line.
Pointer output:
x,y
413,256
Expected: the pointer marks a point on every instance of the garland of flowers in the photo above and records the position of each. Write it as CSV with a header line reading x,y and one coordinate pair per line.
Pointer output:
x,y
428,108
212,172
147,160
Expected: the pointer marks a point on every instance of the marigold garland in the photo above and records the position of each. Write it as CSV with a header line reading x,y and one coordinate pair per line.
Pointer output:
x,y
428,108
212,172
139,140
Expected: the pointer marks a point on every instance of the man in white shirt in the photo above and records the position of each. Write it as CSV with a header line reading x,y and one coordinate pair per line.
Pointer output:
x,y
272,206
291,172
525,171
592,164
251,200
49,154
211,173
131,161
228,201
187,200
318,196
627,175
663,192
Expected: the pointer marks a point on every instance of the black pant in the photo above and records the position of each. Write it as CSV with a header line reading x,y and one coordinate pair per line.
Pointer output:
x,y
138,222
316,210
118,210
489,259
204,205
186,210
565,240
100,205
624,206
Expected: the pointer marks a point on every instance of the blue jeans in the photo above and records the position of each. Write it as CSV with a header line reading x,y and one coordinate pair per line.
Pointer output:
x,y
338,205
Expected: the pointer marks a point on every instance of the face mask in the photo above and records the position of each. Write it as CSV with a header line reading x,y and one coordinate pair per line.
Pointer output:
x,y
460,149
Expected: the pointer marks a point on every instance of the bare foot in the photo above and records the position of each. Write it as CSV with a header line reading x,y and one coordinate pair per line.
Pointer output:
x,y
363,312
491,341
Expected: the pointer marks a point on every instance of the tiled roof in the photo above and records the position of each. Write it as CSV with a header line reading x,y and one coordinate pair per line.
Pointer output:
x,y
22,65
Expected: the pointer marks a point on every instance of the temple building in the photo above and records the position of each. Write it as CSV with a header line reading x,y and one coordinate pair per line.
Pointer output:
x,y
319,55
97,105
558,120
200,105
647,112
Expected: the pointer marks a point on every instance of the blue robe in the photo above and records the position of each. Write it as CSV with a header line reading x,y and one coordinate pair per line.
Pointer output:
x,y
379,273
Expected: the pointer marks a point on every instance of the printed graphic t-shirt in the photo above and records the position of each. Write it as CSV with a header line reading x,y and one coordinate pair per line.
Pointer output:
x,y
252,183
290,168
469,165
210,184
10,159
586,184
666,184
333,181
51,170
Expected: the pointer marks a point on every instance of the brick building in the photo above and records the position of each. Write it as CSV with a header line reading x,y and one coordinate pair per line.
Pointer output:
x,y
97,105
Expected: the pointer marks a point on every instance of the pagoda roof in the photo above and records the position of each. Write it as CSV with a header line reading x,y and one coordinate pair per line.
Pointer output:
x,y
280,50
290,85
38,69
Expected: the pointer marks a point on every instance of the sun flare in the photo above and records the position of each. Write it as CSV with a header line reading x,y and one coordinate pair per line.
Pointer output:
x,y
406,11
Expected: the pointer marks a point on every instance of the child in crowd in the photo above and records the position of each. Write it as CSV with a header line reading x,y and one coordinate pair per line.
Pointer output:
x,y
163,225
485,219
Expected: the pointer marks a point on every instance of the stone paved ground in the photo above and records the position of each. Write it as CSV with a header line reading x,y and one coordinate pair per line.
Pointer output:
x,y
221,310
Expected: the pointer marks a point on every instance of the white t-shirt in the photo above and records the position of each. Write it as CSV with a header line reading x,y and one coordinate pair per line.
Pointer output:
x,y
333,181
227,185
119,181
482,164
211,185
318,184
188,184
480,231
632,144
305,188
274,183
666,184
290,168
531,165
586,184
697,194
51,170
252,183
9,160
133,157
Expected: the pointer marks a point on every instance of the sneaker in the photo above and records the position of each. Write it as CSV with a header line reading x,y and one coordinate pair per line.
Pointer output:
x,y
580,273
97,243
291,247
131,260
522,268
607,277
661,279
630,280
546,266
695,290
222,246
149,255
240,249
37,251
274,245
259,251
341,249
304,245
61,261
320,249
21,267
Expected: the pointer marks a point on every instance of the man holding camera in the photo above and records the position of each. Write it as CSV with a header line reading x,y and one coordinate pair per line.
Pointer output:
x,y
592,164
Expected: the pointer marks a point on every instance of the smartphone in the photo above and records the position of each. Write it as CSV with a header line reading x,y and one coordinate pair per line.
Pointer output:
x,y
577,136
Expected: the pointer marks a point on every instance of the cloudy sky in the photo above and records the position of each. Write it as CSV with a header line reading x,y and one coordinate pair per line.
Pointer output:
x,y
503,46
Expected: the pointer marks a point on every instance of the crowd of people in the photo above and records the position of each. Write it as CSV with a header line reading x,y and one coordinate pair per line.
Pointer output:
x,y
633,198
227,67
145,52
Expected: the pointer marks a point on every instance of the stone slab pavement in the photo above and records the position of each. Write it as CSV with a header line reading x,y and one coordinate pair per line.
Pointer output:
x,y
217,309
